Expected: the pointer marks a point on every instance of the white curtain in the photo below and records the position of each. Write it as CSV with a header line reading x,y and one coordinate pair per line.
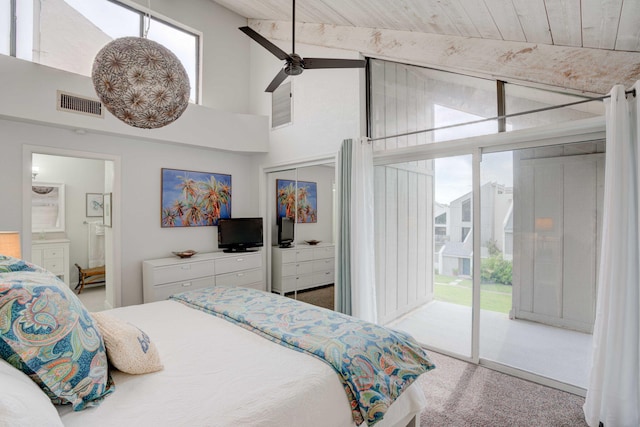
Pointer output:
x,y
613,394
356,257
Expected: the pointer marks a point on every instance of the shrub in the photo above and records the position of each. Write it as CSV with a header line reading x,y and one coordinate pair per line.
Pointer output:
x,y
496,270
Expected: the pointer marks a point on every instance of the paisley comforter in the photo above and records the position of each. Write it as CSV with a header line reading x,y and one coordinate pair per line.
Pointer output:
x,y
374,364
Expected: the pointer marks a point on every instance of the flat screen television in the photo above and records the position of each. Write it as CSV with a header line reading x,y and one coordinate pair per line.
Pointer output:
x,y
285,232
239,234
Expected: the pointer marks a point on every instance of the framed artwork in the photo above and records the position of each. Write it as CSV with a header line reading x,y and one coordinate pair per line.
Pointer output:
x,y
306,197
192,199
107,209
94,204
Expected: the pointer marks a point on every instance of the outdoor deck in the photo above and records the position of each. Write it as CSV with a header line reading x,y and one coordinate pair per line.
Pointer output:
x,y
555,353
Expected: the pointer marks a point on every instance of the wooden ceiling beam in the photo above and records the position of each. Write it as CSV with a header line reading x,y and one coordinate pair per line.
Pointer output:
x,y
577,69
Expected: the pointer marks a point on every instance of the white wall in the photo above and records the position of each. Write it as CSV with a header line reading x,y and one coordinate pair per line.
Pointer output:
x,y
29,94
328,105
141,235
225,59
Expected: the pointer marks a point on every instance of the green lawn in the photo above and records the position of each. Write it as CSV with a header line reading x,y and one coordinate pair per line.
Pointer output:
x,y
493,296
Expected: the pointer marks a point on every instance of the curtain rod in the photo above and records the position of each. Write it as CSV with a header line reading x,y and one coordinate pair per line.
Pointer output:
x,y
506,116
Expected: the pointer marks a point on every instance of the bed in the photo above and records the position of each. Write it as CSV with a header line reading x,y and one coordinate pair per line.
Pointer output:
x,y
212,369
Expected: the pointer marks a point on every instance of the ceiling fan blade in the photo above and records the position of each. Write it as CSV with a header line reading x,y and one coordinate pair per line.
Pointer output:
x,y
278,79
281,54
311,63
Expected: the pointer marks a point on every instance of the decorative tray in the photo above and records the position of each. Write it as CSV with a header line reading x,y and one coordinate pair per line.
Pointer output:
x,y
312,242
185,254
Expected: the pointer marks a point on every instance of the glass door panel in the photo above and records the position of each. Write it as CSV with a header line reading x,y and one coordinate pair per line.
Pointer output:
x,y
541,211
424,266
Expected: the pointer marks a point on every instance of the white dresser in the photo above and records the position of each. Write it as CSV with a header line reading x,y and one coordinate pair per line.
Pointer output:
x,y
302,267
52,255
166,276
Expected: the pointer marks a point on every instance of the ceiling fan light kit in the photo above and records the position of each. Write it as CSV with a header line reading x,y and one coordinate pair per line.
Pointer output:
x,y
294,63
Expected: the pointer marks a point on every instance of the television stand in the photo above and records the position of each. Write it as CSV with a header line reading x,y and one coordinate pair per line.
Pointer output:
x,y
236,250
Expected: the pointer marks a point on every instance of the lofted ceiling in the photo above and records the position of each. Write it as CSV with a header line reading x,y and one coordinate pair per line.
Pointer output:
x,y
599,24
588,32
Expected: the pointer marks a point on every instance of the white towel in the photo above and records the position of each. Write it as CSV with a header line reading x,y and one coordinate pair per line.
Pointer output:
x,y
95,248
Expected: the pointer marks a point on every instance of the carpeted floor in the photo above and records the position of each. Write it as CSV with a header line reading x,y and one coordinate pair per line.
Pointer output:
x,y
460,394
322,296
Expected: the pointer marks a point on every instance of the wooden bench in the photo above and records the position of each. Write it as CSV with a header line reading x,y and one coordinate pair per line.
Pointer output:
x,y
88,276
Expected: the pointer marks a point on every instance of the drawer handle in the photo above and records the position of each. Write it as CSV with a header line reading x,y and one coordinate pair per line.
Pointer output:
x,y
240,259
327,272
186,267
240,274
186,285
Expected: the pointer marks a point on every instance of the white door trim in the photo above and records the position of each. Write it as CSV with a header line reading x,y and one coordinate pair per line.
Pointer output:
x,y
115,189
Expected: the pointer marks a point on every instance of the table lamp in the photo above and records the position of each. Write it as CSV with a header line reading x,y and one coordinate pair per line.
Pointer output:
x,y
10,244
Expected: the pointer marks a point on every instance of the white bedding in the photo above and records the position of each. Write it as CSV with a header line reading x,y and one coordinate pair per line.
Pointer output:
x,y
218,374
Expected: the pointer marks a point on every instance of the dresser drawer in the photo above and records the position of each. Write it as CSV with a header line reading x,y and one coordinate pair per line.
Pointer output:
x,y
261,286
296,283
295,255
324,252
239,278
53,253
238,262
324,264
297,268
181,272
162,292
56,266
323,278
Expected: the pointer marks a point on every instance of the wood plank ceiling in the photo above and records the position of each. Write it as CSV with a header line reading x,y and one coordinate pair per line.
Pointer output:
x,y
582,45
599,24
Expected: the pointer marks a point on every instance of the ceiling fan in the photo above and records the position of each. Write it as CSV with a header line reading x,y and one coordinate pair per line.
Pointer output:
x,y
294,64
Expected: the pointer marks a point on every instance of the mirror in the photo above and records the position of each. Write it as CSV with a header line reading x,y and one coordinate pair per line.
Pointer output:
x,y
305,270
47,207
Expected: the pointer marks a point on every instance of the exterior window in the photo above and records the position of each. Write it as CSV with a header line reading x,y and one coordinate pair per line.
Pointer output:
x,y
95,23
466,211
465,232
441,219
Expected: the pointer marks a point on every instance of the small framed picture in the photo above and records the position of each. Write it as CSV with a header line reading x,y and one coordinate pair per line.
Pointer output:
x,y
94,204
106,202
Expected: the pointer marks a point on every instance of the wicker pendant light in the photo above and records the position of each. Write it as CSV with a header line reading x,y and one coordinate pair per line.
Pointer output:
x,y
141,82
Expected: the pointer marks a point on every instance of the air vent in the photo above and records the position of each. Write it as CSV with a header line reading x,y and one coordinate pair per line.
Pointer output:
x,y
281,106
78,104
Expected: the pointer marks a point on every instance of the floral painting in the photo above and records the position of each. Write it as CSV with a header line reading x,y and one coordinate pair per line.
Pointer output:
x,y
191,199
306,200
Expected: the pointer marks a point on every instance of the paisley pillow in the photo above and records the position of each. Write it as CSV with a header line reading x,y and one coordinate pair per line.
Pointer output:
x,y
8,264
46,332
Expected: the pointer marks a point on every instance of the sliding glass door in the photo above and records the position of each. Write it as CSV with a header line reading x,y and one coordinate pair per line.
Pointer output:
x,y
425,253
542,208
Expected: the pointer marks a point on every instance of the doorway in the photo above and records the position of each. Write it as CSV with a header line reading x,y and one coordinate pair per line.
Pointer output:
x,y
84,240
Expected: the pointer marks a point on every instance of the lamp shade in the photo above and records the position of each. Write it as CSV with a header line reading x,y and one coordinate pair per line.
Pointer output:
x,y
10,244
141,82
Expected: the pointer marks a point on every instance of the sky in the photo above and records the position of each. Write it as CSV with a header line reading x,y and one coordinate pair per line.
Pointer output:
x,y
453,175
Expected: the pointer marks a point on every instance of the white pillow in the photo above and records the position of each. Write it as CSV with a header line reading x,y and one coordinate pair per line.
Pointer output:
x,y
22,402
129,349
